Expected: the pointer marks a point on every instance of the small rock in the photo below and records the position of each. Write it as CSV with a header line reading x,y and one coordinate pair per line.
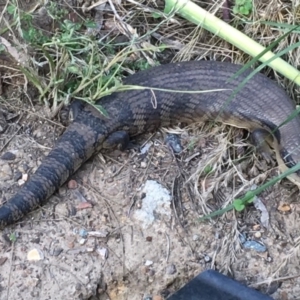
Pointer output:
x,y
146,148
8,156
82,241
269,259
103,252
18,175
90,245
149,238
171,269
148,263
143,165
195,237
258,247
156,202
70,242
256,227
83,233
98,234
6,172
35,254
56,251
21,182
25,177
90,249
207,258
257,234
72,184
173,141
284,208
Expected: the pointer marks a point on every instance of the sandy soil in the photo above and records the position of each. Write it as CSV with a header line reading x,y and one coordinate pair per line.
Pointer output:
x,y
90,241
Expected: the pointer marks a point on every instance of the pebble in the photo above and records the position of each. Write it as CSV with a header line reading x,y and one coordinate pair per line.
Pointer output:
x,y
256,227
21,182
25,177
174,142
255,246
18,175
90,249
6,172
171,269
8,156
70,242
90,245
195,237
98,234
83,233
35,254
143,165
82,241
148,263
103,252
56,251
257,234
72,184
207,258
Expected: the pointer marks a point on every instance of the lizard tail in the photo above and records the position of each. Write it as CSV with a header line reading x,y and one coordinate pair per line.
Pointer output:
x,y
75,146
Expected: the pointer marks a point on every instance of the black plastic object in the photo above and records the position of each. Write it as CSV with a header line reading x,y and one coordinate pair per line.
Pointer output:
x,y
212,285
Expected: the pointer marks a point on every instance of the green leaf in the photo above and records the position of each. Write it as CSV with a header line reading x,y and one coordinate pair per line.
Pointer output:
x,y
74,69
11,9
238,204
101,109
168,7
208,169
90,24
156,15
13,237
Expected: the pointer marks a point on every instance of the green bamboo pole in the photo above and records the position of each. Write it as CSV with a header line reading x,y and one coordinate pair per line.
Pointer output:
x,y
195,14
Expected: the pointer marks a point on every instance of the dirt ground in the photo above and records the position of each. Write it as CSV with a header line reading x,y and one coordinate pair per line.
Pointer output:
x,y
91,240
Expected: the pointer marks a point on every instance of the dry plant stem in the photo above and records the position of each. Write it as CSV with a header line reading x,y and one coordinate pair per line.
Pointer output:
x,y
195,14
